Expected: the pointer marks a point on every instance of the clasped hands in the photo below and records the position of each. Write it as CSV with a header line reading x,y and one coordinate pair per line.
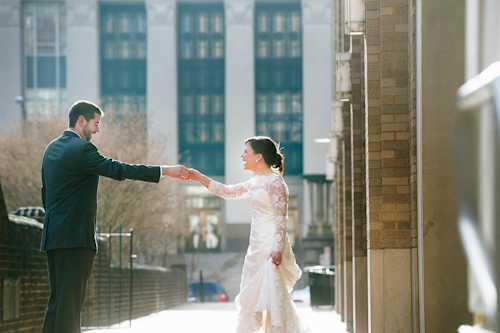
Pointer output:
x,y
180,172
175,171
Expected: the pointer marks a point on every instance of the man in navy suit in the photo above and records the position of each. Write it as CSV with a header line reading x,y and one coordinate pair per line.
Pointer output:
x,y
70,175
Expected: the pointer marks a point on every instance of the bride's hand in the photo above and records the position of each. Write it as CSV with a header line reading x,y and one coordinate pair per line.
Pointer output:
x,y
276,257
194,174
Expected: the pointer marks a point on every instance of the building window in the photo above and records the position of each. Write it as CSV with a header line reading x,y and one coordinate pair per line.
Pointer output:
x,y
200,45
45,56
123,57
204,223
278,78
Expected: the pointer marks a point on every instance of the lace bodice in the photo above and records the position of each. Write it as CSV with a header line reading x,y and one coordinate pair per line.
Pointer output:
x,y
264,194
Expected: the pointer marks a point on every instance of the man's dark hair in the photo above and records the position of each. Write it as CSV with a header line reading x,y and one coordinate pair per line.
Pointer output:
x,y
83,108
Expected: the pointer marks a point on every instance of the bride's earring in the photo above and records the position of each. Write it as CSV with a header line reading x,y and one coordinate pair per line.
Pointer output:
x,y
256,161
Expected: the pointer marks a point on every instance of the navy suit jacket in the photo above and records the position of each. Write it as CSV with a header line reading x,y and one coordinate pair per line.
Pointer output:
x,y
71,168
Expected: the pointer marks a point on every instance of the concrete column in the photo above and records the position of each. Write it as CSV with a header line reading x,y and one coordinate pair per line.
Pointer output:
x,y
316,82
162,73
440,73
240,100
11,62
82,40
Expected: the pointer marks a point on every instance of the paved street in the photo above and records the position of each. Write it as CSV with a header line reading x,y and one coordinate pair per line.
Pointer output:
x,y
217,318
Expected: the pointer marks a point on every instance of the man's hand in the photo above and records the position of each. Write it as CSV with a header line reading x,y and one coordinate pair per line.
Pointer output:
x,y
175,171
276,257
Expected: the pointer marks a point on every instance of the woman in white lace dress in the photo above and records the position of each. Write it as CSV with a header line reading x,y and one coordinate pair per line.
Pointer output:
x,y
270,270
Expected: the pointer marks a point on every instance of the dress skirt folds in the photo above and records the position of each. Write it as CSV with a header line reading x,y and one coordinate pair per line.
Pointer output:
x,y
264,303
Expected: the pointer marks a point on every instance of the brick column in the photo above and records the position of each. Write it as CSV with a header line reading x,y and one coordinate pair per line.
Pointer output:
x,y
387,164
339,231
358,193
347,220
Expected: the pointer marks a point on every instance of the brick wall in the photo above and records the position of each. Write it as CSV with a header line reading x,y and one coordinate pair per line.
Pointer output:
x,y
387,125
24,285
154,289
22,266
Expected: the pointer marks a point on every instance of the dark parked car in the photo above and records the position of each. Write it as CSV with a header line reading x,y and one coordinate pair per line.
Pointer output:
x,y
212,290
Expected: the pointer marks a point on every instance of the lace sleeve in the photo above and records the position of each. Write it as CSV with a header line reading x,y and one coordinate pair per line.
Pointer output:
x,y
236,191
279,198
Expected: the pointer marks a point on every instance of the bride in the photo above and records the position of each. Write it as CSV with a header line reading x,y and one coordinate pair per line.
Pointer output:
x,y
270,270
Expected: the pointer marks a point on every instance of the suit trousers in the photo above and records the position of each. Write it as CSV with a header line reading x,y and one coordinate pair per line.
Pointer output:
x,y
69,271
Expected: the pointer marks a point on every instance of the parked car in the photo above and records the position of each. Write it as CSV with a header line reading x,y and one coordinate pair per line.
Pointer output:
x,y
212,290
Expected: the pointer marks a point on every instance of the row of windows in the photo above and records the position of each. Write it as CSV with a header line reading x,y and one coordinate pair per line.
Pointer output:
x,y
202,132
278,76
201,22
201,71
124,49
278,22
200,41
201,104
278,81
198,76
277,104
130,22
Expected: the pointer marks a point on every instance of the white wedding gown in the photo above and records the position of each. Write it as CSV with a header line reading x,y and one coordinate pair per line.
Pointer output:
x,y
265,288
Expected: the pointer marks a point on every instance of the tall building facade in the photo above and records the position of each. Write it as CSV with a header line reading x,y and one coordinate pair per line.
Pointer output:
x,y
206,74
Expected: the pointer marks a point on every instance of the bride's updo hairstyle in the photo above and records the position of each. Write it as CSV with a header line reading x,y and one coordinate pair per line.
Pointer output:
x,y
270,152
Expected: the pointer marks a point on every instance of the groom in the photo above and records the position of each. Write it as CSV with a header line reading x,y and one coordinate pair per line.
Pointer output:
x,y
71,168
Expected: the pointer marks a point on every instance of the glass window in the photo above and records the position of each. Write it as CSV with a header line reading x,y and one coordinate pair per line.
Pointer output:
x,y
123,57
200,41
44,27
278,78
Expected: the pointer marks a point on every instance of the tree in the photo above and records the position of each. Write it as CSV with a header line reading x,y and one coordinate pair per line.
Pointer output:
x,y
157,212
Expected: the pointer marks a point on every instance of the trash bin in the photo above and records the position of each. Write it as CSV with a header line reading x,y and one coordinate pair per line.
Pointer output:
x,y
321,284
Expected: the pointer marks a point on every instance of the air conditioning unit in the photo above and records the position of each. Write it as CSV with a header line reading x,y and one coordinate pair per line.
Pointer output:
x,y
343,76
354,17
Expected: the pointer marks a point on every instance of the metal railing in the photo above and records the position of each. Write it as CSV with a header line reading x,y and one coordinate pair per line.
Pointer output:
x,y
478,145
113,282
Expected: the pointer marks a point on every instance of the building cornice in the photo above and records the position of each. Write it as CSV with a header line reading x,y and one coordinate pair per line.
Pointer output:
x,y
239,12
317,12
81,13
10,13
161,13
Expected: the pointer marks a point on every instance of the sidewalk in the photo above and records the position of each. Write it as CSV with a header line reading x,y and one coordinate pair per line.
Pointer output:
x,y
217,318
